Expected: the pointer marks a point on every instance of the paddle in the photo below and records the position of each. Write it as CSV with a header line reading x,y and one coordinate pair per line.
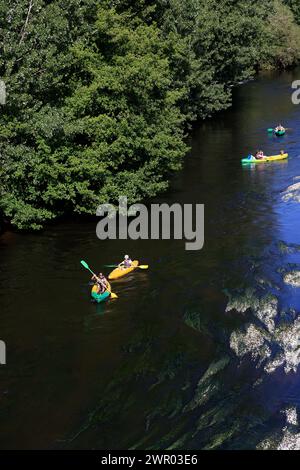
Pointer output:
x,y
141,266
86,266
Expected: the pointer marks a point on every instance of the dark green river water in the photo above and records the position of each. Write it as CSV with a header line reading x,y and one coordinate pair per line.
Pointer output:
x,y
201,351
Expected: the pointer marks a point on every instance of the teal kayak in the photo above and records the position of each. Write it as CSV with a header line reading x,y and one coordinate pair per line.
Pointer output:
x,y
279,133
99,297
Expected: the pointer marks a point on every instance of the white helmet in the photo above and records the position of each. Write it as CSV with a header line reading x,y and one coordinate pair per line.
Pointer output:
x,y
126,257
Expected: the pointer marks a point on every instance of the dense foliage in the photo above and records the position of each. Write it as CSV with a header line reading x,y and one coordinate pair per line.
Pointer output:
x,y
99,94
295,7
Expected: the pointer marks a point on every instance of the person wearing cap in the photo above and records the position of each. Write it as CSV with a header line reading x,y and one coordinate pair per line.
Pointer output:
x,y
279,128
126,263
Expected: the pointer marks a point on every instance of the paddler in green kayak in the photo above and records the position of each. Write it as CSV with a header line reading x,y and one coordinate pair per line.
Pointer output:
x,y
101,281
126,263
279,128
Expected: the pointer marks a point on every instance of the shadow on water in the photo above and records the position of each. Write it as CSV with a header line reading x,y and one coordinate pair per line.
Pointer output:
x,y
198,352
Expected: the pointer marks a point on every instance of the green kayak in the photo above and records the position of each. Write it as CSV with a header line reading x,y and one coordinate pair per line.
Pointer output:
x,y
99,297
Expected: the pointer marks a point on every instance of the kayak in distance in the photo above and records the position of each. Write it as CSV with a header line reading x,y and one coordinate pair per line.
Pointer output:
x,y
279,130
120,272
100,297
251,159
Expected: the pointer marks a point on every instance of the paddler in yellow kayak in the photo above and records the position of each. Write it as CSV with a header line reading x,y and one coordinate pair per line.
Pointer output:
x,y
101,281
259,155
127,263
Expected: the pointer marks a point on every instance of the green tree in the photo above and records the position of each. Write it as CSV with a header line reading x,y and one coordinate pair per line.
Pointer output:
x,y
284,33
294,5
90,116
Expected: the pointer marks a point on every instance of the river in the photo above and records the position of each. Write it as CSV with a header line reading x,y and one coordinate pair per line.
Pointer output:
x,y
199,352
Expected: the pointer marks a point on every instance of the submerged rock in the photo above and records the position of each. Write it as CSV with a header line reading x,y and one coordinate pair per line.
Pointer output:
x,y
291,416
206,387
241,303
290,441
278,361
288,338
289,438
292,278
259,344
274,345
292,193
214,368
193,320
252,341
264,309
284,248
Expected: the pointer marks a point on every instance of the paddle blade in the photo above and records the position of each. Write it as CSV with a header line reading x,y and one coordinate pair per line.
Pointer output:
x,y
143,266
270,130
113,296
84,264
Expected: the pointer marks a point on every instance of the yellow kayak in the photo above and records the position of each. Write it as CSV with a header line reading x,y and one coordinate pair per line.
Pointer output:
x,y
120,272
274,158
